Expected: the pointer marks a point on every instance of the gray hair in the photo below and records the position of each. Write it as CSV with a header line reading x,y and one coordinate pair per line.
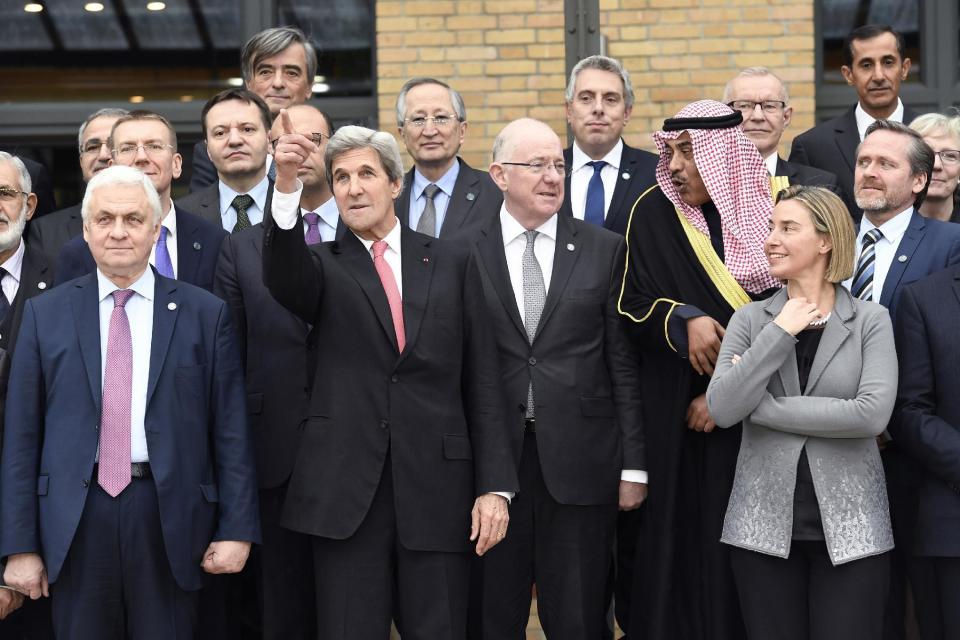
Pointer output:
x,y
272,41
117,175
459,108
933,124
26,184
107,112
603,63
754,72
919,154
350,137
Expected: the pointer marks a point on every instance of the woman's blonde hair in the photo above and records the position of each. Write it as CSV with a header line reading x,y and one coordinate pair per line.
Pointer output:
x,y
830,217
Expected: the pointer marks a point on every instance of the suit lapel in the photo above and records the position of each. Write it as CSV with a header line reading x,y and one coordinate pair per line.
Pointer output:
x,y
628,162
401,206
848,137
86,318
788,373
564,259
359,264
417,266
466,190
566,208
166,308
834,335
908,245
34,279
494,262
189,248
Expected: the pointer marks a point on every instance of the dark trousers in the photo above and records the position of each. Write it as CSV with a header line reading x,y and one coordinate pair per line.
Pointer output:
x,y
805,597
116,581
30,622
902,475
628,531
365,580
936,590
564,549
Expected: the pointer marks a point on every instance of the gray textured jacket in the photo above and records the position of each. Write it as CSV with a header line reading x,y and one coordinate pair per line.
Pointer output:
x,y
848,401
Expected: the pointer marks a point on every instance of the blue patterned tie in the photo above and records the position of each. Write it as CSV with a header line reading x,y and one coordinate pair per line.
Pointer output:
x,y
164,263
593,212
862,286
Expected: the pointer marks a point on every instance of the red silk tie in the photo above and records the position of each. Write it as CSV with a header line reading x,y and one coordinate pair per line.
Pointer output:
x,y
390,287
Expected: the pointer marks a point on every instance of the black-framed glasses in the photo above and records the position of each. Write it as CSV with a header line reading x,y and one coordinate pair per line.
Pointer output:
x,y
439,121
539,168
949,157
767,106
316,137
93,146
9,194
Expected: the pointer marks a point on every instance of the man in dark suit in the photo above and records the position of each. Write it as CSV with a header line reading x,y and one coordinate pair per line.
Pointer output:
x,y
874,64
119,521
236,125
761,96
188,246
279,65
606,175
24,273
442,195
551,285
926,424
895,246
406,431
50,233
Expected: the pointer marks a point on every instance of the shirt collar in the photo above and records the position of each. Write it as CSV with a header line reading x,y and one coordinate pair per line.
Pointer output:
x,y
446,181
170,221
512,229
328,212
14,264
144,285
864,119
258,193
612,158
392,239
771,162
892,230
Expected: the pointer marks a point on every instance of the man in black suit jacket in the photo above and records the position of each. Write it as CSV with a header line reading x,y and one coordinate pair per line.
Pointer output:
x,y
579,446
405,430
49,233
875,66
599,101
147,141
432,120
761,96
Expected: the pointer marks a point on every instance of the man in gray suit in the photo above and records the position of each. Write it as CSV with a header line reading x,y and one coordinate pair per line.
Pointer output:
x,y
442,195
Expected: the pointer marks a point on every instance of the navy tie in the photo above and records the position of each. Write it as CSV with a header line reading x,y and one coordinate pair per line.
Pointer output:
x,y
593,212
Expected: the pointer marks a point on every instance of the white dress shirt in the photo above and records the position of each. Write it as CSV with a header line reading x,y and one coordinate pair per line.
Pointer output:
x,y
544,248
228,215
11,279
864,119
885,250
418,201
329,216
139,310
170,222
771,163
391,255
582,173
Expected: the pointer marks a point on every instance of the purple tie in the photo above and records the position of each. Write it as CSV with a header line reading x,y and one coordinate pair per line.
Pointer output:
x,y
113,470
313,228
164,263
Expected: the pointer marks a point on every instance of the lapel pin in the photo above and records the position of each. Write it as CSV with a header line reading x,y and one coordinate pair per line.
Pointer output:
x,y
570,247
625,176
41,285
471,197
172,306
902,258
426,260
196,246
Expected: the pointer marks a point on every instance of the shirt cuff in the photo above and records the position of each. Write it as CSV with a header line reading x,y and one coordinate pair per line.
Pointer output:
x,y
285,207
508,495
634,475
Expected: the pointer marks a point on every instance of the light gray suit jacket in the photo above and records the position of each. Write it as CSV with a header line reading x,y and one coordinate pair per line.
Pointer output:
x,y
849,398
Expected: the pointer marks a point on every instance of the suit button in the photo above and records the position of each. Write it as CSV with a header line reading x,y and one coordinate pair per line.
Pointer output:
x,y
394,378
532,361
384,424
86,483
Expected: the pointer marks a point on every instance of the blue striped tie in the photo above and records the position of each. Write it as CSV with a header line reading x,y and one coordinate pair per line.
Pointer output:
x,y
863,277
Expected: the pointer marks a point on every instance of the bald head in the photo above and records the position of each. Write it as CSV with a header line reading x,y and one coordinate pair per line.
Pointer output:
x,y
528,168
522,129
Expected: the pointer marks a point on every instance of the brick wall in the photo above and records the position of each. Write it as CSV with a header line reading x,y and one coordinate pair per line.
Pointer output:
x,y
507,56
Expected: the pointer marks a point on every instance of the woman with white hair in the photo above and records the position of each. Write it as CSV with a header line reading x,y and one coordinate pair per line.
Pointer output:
x,y
942,133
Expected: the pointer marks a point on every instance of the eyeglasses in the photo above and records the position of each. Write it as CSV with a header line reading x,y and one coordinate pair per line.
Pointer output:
x,y
949,157
152,149
316,137
747,106
539,168
439,122
93,146
9,194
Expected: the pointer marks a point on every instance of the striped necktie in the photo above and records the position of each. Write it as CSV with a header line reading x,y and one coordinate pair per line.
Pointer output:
x,y
862,287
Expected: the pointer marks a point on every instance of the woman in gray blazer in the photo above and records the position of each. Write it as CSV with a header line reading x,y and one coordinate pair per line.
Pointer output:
x,y
812,374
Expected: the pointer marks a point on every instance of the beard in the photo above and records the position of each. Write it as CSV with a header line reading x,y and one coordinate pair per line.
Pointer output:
x,y
890,198
11,237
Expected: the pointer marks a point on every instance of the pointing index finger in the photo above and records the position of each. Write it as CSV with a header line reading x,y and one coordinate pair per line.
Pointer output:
x,y
285,121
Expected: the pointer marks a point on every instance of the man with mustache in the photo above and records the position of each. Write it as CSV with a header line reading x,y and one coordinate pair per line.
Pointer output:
x,y
896,245
874,64
279,65
694,255
49,233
